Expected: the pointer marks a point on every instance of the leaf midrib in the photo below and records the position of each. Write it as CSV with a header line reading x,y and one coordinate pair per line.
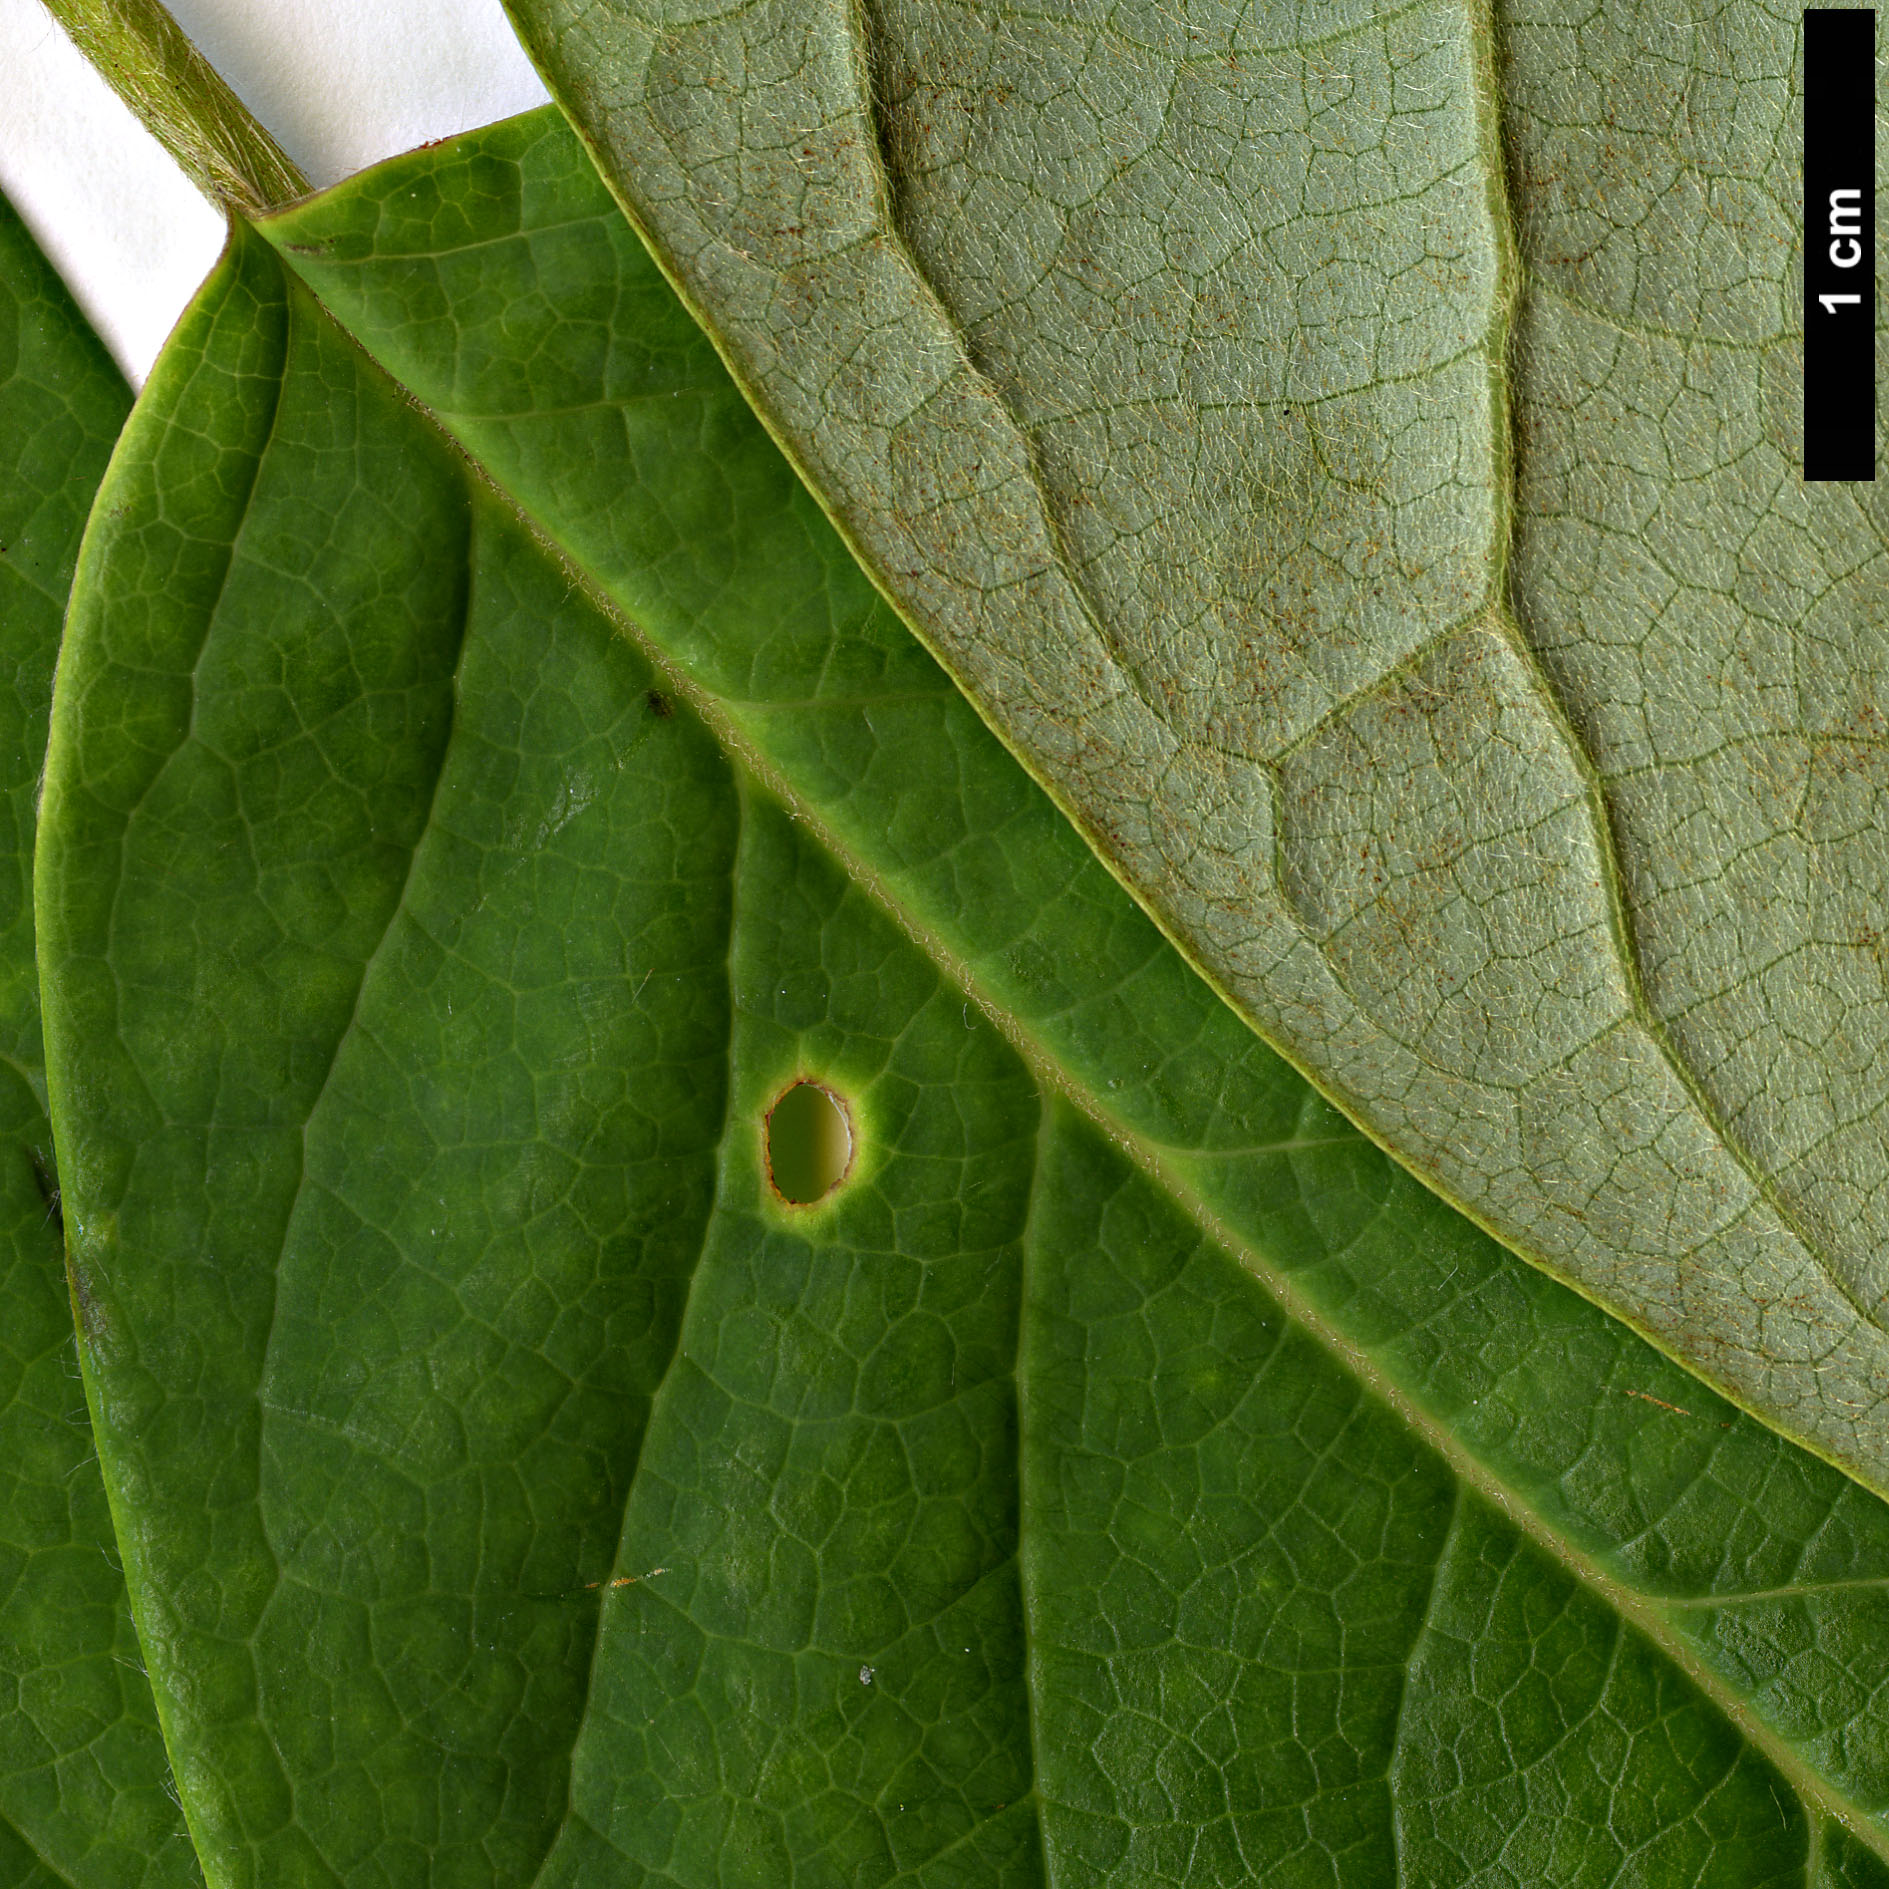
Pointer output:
x,y
1644,1613
1641,1611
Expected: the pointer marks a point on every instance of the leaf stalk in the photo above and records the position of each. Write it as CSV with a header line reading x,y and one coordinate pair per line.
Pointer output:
x,y
181,99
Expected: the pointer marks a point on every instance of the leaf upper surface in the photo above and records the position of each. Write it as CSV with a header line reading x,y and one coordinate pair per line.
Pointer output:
x,y
1389,552
84,1782
1130,1475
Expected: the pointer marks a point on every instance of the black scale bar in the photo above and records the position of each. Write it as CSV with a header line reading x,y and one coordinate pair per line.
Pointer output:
x,y
1839,243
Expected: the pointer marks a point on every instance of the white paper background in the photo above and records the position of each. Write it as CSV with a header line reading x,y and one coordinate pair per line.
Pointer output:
x,y
341,84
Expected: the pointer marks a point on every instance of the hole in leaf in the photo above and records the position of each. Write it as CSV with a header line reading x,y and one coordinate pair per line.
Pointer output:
x,y
809,1143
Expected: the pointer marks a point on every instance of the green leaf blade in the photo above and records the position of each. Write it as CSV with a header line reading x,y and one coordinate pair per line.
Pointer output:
x,y
64,405
308,792
810,1659
85,1792
928,914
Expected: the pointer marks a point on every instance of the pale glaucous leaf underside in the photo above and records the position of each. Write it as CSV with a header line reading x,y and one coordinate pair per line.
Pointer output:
x,y
1351,457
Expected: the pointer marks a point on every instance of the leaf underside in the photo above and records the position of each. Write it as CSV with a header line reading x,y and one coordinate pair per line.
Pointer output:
x,y
84,1784
1129,1475
1351,457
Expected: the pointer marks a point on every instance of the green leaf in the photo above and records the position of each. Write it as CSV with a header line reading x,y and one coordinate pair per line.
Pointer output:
x,y
84,1784
1351,457
1127,1474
